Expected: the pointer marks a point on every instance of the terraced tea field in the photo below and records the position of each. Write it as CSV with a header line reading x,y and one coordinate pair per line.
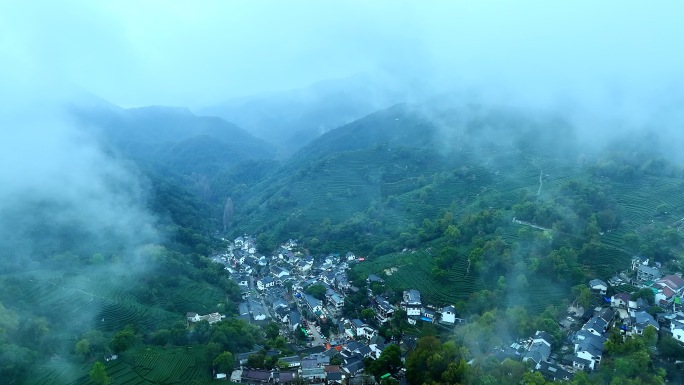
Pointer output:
x,y
142,366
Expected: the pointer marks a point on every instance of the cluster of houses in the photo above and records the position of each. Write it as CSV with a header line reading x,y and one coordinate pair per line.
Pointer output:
x,y
192,317
585,345
632,315
274,289
314,367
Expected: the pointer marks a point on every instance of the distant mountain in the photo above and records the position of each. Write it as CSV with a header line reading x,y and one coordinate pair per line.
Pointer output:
x,y
171,139
371,179
291,119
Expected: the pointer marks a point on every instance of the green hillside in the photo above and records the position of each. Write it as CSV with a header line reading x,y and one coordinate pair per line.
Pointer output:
x,y
173,140
397,179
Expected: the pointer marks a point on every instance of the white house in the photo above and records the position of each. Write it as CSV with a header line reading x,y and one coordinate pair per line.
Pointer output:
x,y
192,317
448,314
360,329
677,329
411,302
257,311
647,273
337,301
265,282
211,318
239,242
588,350
599,286
620,300
314,304
673,282
383,309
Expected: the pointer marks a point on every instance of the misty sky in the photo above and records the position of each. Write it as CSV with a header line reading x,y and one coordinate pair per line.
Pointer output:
x,y
195,53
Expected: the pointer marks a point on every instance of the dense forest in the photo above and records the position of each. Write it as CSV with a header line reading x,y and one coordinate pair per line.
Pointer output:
x,y
472,206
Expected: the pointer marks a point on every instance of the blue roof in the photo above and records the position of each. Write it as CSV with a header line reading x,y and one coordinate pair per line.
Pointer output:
x,y
426,319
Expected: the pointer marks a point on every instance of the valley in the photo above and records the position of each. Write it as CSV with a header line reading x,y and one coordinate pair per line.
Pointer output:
x,y
497,229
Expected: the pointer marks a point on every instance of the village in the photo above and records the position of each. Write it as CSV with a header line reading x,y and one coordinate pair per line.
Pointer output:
x,y
278,288
628,312
274,289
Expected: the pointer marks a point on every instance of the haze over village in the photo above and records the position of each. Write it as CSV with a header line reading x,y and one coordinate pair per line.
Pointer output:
x,y
341,192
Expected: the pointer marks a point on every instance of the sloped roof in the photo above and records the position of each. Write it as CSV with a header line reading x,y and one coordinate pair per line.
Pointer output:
x,y
312,301
593,346
449,309
412,296
334,376
283,376
649,270
607,314
375,278
358,323
544,336
667,291
672,281
644,319
538,352
354,367
295,317
309,362
625,297
257,375
582,361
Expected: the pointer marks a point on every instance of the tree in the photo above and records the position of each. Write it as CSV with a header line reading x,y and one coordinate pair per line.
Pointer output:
x,y
98,374
82,348
8,321
224,362
533,378
97,259
662,209
650,336
122,340
583,295
389,360
272,330
96,341
645,293
670,348
368,315
452,233
317,290
255,361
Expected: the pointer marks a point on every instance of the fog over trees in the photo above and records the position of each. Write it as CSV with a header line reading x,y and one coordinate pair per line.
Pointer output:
x,y
165,166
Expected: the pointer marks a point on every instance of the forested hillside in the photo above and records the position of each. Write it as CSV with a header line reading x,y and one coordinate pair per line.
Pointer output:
x,y
108,255
173,142
432,195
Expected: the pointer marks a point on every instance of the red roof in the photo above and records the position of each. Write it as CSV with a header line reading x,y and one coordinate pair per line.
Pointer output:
x,y
672,281
666,290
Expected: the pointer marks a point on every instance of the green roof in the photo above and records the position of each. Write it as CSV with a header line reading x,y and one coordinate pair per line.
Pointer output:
x,y
677,300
